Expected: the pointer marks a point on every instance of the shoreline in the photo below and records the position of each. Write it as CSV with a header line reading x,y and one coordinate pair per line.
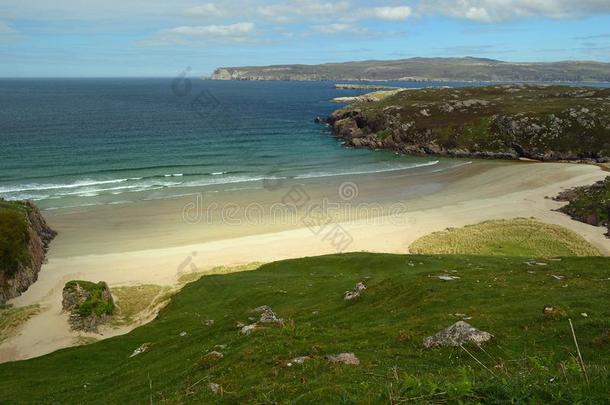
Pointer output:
x,y
166,248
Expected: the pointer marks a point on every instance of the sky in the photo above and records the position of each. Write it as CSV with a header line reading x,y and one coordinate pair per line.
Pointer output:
x,y
153,38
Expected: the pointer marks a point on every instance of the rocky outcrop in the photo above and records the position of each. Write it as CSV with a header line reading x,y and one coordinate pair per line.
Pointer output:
x,y
588,204
38,235
89,304
458,334
546,123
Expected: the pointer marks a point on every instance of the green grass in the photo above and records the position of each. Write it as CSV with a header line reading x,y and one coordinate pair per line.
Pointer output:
x,y
14,237
530,360
514,237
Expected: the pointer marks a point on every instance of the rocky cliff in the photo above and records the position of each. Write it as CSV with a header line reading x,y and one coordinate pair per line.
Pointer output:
x,y
549,123
24,240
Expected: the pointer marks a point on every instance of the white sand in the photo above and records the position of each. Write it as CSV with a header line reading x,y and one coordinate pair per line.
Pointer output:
x,y
500,192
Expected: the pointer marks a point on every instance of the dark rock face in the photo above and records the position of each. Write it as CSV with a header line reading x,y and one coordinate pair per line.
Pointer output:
x,y
557,123
40,236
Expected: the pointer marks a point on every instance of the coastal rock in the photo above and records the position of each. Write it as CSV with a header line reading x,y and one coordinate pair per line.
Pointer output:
x,y
22,270
355,293
565,125
90,304
456,335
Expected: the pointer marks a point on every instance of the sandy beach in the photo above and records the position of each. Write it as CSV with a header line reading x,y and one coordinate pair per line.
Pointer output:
x,y
154,243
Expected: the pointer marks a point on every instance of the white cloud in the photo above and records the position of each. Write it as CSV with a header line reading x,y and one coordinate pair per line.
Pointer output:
x,y
500,10
285,12
235,31
334,28
390,13
206,10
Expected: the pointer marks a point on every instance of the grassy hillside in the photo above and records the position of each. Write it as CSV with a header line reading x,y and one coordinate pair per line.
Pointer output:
x,y
505,121
515,237
14,237
531,358
424,69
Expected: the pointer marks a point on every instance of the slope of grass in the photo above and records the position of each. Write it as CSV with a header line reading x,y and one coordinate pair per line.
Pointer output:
x,y
530,359
514,237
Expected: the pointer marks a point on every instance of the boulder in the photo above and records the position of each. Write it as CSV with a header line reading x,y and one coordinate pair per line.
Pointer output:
x,y
345,358
355,293
456,335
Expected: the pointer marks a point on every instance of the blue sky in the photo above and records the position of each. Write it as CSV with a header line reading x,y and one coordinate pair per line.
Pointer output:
x,y
69,38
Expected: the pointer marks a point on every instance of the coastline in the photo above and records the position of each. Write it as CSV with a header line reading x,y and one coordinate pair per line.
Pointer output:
x,y
92,245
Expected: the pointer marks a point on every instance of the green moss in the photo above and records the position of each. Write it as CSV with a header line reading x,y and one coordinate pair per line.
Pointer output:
x,y
530,359
14,237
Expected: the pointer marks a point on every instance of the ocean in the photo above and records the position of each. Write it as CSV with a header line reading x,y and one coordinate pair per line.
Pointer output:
x,y
84,142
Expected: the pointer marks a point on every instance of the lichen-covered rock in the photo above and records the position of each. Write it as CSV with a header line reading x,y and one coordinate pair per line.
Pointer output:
x,y
456,335
90,304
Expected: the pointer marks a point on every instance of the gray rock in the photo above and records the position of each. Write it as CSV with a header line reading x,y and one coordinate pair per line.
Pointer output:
x,y
456,335
345,358
355,293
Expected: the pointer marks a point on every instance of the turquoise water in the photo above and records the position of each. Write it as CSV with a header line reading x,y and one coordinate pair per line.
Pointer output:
x,y
79,142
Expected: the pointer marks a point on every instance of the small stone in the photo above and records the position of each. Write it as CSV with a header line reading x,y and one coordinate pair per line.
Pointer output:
x,y
220,347
557,277
183,334
584,315
456,335
214,355
551,312
298,360
246,330
209,322
269,316
345,358
446,277
215,388
355,293
143,348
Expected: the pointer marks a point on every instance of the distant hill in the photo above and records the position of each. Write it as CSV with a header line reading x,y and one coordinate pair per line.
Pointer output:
x,y
426,69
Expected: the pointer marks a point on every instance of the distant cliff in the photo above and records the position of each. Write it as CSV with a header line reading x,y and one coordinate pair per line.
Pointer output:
x,y
549,123
426,69
24,239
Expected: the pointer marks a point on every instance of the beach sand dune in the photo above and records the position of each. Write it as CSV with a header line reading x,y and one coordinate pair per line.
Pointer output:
x,y
476,193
